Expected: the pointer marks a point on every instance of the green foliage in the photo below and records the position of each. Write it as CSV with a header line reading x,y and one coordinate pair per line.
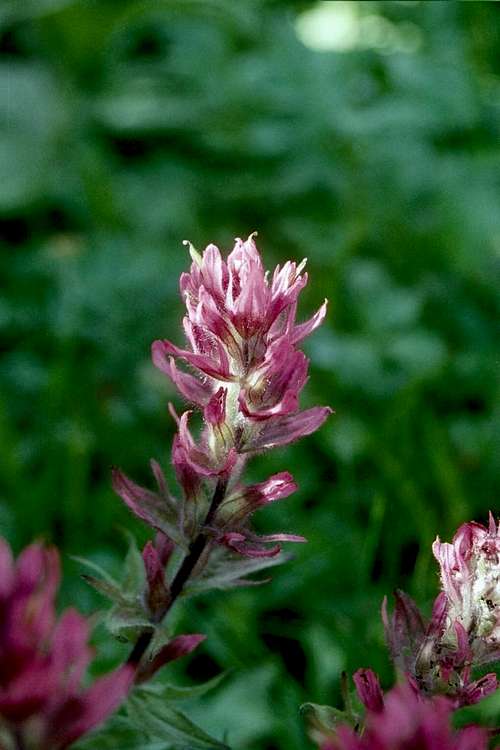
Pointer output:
x,y
129,126
223,573
164,722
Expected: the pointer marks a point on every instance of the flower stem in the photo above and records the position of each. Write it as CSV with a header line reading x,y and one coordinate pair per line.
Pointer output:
x,y
183,574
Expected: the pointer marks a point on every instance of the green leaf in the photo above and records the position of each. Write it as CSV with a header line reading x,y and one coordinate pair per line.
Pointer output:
x,y
227,571
106,589
97,569
134,578
167,723
120,734
127,620
324,718
176,693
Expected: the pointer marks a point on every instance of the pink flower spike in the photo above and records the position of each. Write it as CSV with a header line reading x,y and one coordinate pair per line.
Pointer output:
x,y
470,570
43,661
369,690
407,720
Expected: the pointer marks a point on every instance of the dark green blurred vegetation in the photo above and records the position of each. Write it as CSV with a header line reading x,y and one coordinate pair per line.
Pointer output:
x,y
129,126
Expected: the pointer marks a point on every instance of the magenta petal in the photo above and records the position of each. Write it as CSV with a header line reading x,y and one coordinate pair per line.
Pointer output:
x,y
304,329
175,649
215,410
283,430
81,714
146,505
288,404
70,652
208,365
157,595
188,385
28,693
238,543
251,545
476,691
186,475
164,546
369,690
277,487
38,566
438,617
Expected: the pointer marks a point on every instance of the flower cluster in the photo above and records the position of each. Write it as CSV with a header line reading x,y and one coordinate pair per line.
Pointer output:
x,y
470,577
436,661
246,377
464,630
434,658
403,719
42,660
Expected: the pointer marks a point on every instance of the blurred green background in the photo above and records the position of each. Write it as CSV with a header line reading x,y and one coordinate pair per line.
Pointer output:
x,y
363,135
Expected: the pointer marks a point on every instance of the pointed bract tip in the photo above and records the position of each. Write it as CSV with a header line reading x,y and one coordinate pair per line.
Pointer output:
x,y
369,690
193,252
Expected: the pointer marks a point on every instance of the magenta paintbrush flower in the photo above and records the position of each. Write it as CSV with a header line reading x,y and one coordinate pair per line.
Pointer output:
x,y
403,719
242,335
43,660
246,378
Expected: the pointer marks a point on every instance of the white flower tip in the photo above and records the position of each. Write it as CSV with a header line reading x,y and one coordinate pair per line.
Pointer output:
x,y
301,266
193,252
173,413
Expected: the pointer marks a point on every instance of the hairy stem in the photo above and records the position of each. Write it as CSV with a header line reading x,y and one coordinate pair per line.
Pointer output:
x,y
183,574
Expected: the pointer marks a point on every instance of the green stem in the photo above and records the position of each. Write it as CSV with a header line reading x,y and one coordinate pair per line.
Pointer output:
x,y
182,576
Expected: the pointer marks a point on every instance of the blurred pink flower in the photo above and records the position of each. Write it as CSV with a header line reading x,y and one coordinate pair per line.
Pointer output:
x,y
42,660
404,719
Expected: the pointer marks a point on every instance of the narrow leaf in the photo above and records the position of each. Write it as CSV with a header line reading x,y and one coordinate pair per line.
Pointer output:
x,y
176,693
167,723
134,575
324,718
120,734
106,589
97,569
229,572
